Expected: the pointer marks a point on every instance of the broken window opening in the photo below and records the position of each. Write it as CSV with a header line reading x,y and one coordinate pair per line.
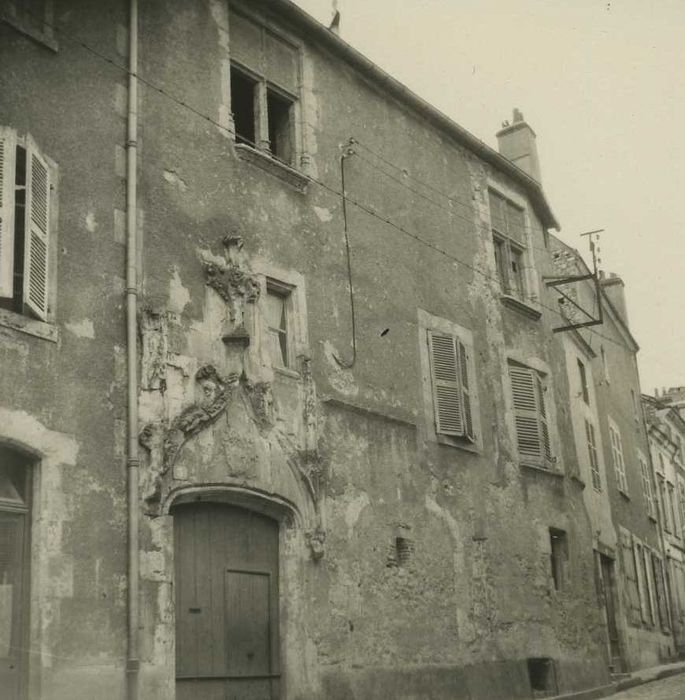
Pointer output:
x,y
279,111
243,106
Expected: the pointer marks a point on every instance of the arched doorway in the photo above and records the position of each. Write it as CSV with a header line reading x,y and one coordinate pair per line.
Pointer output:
x,y
15,509
226,581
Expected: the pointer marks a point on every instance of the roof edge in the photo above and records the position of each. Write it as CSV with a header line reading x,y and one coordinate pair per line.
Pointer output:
x,y
333,41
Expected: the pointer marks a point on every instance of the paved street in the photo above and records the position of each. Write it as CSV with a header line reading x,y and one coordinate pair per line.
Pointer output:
x,y
667,689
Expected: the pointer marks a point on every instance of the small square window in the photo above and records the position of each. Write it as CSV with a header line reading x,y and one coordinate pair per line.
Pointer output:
x,y
276,311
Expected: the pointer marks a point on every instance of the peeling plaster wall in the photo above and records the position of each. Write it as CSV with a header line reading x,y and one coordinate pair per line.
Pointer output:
x,y
475,597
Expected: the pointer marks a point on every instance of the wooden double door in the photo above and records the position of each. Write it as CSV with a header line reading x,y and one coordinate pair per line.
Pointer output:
x,y
227,639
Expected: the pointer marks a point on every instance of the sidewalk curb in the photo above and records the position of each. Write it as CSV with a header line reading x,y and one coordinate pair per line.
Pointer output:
x,y
604,691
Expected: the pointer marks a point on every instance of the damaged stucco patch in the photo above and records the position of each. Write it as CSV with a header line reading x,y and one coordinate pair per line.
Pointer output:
x,y
179,296
174,179
81,329
324,214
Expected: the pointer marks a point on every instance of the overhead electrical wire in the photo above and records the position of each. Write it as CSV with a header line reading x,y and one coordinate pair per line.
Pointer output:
x,y
329,188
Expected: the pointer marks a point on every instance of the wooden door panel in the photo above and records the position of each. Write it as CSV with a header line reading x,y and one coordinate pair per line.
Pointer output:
x,y
248,623
226,603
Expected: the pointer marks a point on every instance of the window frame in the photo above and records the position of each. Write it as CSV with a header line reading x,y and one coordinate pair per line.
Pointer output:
x,y
507,245
559,557
265,84
33,319
285,292
428,322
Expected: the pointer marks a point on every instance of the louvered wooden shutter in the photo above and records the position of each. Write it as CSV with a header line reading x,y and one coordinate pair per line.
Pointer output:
x,y
7,159
449,419
544,425
523,388
465,390
37,230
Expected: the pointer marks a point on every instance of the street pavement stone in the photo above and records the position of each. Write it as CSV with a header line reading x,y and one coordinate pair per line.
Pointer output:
x,y
672,688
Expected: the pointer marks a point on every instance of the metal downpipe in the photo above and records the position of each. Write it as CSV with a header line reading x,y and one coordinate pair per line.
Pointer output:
x,y
132,465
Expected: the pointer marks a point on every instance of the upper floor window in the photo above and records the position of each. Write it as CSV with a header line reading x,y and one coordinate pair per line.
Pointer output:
x,y
25,183
528,388
509,242
451,386
264,88
32,17
617,458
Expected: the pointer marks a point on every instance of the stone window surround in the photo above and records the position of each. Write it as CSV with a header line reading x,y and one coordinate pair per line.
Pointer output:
x,y
530,304
24,323
257,155
543,369
297,330
426,322
621,474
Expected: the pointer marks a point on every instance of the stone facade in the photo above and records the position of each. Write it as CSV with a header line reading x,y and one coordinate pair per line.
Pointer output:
x,y
412,562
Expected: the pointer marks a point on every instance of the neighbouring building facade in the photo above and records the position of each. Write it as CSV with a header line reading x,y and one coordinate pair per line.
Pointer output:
x,y
615,465
282,411
666,430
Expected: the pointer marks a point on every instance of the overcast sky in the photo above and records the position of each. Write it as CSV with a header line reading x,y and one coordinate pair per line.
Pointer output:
x,y
602,84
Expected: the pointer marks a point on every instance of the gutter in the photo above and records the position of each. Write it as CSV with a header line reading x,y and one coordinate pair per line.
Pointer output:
x,y
316,31
132,462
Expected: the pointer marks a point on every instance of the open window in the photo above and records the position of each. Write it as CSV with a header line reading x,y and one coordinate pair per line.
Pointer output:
x,y
509,242
25,235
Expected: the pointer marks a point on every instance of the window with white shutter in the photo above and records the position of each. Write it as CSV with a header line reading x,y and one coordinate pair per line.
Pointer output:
x,y
530,415
7,148
450,383
25,237
617,458
647,487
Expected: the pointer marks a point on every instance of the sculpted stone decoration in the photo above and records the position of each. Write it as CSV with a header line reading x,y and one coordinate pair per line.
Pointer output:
x,y
236,285
262,402
154,345
164,444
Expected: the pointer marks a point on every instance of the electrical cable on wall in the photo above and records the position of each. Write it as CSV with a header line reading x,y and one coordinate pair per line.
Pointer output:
x,y
347,152
309,178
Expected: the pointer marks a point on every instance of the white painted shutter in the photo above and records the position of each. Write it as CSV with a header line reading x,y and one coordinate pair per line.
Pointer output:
x,y
449,419
523,389
37,230
465,390
7,159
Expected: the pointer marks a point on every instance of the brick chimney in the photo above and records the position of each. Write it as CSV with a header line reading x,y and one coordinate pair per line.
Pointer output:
x,y
516,141
614,288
